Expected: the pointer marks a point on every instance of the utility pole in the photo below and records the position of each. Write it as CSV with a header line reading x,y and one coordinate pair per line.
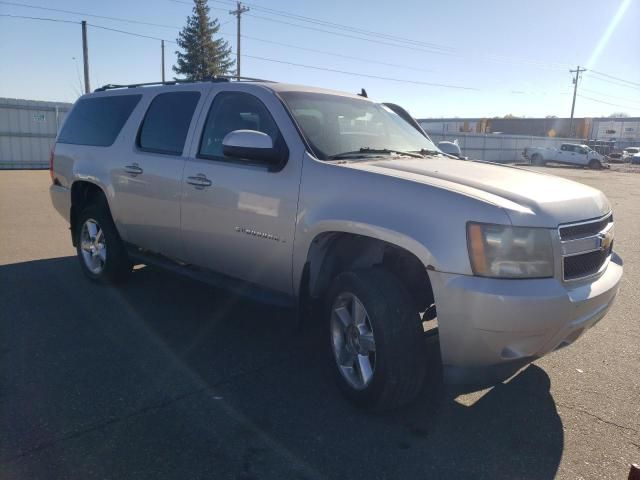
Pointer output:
x,y
577,71
238,13
162,47
85,56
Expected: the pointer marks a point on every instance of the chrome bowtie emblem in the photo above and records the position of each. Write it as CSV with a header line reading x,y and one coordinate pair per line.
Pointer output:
x,y
606,239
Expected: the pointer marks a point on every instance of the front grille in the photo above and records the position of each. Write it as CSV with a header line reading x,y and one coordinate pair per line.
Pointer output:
x,y
571,232
578,266
586,246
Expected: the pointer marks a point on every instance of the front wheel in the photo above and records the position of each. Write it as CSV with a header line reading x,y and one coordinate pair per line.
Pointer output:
x,y
376,338
595,164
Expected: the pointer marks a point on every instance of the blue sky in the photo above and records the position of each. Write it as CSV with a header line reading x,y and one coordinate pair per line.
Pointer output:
x,y
515,55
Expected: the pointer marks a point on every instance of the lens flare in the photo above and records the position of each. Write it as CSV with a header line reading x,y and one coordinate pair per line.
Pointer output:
x,y
602,43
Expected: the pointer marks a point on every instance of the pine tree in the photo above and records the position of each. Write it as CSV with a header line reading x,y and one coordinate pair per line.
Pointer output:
x,y
203,57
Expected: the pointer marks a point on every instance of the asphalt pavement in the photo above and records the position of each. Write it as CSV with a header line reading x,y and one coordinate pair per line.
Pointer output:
x,y
166,377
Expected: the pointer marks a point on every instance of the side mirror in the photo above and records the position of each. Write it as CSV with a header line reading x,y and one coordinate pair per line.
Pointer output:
x,y
252,145
452,148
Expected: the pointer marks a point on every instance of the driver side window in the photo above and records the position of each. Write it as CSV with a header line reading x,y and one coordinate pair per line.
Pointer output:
x,y
234,111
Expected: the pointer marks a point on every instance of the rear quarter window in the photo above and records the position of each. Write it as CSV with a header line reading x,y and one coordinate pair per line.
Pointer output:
x,y
97,121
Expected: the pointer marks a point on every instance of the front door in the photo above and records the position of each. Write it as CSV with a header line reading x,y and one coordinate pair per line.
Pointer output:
x,y
238,217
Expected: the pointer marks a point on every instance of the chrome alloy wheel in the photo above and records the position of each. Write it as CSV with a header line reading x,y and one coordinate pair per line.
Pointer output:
x,y
93,246
354,346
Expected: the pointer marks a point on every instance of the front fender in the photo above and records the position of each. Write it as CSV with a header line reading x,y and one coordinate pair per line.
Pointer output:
x,y
426,220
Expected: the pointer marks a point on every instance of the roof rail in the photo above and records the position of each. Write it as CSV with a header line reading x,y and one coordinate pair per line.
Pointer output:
x,y
221,78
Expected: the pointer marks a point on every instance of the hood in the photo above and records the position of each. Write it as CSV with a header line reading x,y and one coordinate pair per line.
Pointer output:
x,y
529,198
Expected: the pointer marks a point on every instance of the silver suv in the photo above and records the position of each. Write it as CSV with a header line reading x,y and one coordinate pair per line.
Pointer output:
x,y
345,209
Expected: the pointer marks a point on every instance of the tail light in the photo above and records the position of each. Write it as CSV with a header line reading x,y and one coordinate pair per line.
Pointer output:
x,y
51,155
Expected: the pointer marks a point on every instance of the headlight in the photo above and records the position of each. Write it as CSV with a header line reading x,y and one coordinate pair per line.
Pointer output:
x,y
509,252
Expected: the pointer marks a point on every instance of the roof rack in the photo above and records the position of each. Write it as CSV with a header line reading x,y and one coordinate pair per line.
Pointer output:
x,y
111,86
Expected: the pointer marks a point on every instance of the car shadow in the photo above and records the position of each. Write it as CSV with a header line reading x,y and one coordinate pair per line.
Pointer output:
x,y
253,365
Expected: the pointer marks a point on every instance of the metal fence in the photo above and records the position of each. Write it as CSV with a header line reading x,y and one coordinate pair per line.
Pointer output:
x,y
498,147
28,129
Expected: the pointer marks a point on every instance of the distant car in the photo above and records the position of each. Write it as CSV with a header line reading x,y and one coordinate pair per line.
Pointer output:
x,y
635,159
569,154
452,148
616,157
629,152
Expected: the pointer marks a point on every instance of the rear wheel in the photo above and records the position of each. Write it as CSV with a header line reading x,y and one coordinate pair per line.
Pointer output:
x,y
376,338
537,159
100,250
595,164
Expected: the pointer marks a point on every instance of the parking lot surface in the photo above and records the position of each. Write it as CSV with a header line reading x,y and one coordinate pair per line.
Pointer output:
x,y
169,378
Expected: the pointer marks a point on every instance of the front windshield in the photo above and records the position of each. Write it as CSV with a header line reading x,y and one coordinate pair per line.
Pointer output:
x,y
335,125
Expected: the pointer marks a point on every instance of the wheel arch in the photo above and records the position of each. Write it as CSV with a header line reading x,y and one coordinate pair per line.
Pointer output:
x,y
337,250
83,193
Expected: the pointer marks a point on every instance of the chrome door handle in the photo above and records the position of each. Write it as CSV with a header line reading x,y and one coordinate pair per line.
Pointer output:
x,y
199,181
133,169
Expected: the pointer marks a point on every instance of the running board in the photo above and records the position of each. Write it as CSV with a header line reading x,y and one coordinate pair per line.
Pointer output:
x,y
217,280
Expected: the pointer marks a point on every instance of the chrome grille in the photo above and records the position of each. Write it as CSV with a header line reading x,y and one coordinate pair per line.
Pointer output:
x,y
586,247
584,229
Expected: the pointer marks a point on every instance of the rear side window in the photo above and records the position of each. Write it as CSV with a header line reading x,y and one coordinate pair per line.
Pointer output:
x,y
166,123
98,121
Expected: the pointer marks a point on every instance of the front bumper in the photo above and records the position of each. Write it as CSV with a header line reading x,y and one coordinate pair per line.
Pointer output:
x,y
489,328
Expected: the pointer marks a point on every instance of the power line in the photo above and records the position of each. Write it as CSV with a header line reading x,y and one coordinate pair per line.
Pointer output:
x,y
612,82
615,78
270,59
434,48
606,103
130,33
324,52
339,26
39,18
611,96
391,79
340,34
282,44
90,24
116,19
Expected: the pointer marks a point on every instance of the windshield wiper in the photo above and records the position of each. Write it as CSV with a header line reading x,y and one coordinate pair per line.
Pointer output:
x,y
425,151
373,151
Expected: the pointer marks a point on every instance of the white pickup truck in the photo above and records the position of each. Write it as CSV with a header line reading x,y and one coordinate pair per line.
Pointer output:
x,y
569,153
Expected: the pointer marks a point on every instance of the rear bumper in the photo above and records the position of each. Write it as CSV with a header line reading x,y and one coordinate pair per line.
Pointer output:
x,y
61,200
489,328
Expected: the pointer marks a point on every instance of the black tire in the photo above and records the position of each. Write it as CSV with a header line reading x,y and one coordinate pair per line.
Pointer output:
x,y
400,351
594,164
537,159
117,265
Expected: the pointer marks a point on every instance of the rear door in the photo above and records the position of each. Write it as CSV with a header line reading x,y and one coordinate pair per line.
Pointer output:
x,y
148,176
238,216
